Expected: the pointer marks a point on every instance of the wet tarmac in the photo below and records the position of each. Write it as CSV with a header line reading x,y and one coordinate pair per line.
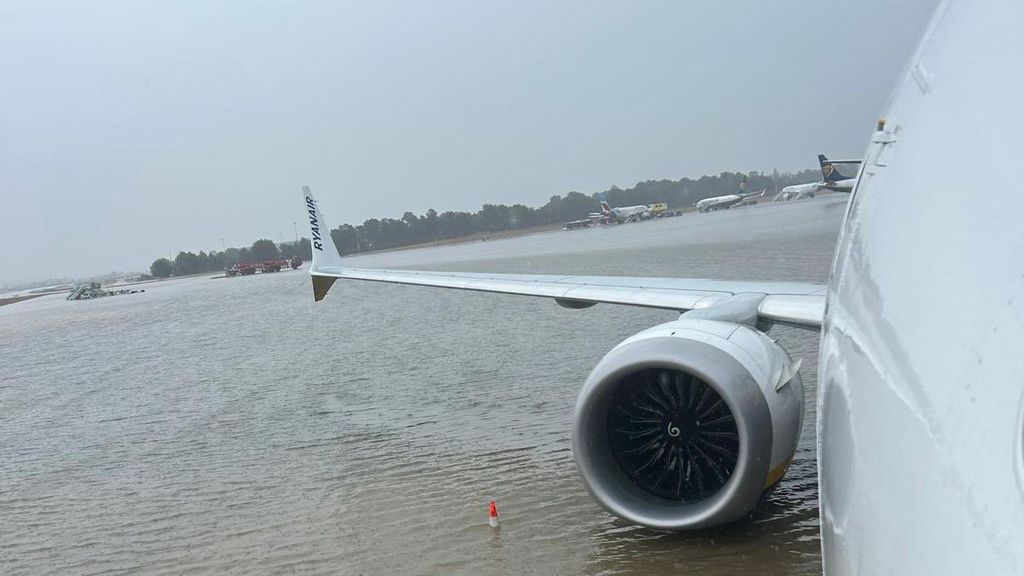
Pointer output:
x,y
234,426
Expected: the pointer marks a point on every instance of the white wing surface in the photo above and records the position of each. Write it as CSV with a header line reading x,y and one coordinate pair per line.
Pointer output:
x,y
792,303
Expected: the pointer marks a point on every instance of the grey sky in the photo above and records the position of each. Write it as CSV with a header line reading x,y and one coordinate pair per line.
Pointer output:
x,y
129,130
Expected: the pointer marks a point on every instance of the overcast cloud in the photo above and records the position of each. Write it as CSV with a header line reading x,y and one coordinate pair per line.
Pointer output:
x,y
130,130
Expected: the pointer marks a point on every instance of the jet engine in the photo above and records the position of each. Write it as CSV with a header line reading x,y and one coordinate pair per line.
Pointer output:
x,y
688,424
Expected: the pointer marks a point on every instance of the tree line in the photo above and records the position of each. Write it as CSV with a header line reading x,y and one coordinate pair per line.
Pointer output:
x,y
186,263
384,233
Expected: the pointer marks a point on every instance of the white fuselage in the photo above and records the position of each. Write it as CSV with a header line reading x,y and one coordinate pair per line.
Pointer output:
x,y
839,185
921,371
720,202
630,212
624,213
798,191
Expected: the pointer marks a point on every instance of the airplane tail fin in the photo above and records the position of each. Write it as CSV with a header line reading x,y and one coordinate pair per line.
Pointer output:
x,y
605,207
325,253
829,172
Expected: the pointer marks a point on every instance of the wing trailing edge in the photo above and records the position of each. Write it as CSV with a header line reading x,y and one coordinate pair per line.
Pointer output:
x,y
792,303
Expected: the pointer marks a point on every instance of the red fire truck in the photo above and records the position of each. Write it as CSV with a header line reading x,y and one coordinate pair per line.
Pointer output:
x,y
272,265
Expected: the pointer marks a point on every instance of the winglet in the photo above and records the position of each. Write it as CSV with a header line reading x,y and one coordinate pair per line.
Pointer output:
x,y
321,284
325,253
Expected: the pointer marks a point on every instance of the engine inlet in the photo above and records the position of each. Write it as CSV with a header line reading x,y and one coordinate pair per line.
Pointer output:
x,y
672,434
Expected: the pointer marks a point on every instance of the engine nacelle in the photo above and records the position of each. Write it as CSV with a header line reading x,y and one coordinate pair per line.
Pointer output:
x,y
688,424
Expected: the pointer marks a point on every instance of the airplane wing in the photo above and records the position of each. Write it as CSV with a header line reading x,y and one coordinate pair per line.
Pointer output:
x,y
791,303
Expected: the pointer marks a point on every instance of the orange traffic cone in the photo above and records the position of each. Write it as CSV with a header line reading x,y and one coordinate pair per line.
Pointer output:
x,y
492,515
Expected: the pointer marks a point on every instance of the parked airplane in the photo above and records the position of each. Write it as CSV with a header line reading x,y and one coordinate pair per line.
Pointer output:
x,y
798,191
623,213
920,408
831,179
727,201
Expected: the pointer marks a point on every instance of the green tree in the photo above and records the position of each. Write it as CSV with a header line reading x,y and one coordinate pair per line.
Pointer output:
x,y
264,249
369,233
577,206
216,261
287,249
494,218
230,257
161,268
305,250
290,250
522,216
205,263
346,238
186,263
414,229
430,225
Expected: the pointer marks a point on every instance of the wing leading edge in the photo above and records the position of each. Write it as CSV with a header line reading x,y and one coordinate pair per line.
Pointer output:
x,y
792,303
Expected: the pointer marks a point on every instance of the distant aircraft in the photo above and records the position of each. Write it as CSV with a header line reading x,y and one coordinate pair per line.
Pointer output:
x,y
831,179
722,202
623,213
920,408
797,192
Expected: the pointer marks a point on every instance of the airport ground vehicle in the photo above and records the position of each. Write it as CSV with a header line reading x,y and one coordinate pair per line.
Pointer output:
x,y
272,265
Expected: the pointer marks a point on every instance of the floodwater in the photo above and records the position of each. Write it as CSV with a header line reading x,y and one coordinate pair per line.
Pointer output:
x,y
234,426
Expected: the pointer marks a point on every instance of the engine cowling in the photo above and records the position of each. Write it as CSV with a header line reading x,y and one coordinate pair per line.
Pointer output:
x,y
688,424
